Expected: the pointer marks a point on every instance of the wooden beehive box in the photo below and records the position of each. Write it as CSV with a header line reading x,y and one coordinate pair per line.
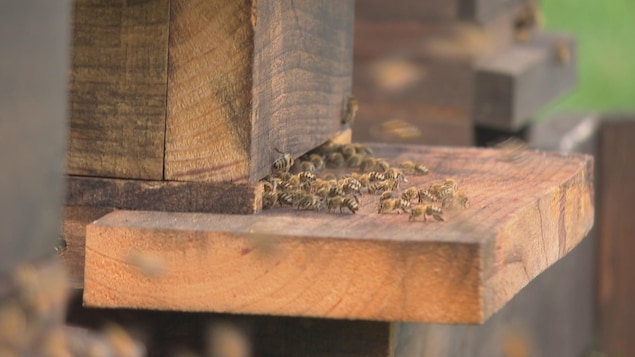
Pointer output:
x,y
188,97
179,106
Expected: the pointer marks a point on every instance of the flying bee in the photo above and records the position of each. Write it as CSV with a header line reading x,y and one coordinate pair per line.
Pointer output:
x,y
424,211
393,204
350,110
308,201
355,160
395,174
413,167
335,160
283,163
512,149
410,194
563,53
317,160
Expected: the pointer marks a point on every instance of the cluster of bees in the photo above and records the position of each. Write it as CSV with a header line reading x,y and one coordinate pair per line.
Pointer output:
x,y
295,183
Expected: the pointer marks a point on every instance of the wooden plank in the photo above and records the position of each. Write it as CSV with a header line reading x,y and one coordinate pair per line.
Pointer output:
x,y
34,43
117,89
523,218
432,10
243,81
163,195
512,87
616,229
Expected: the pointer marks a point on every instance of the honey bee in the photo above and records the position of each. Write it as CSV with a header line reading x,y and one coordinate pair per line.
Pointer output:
x,y
368,163
350,110
329,177
343,202
563,53
388,195
424,211
317,160
335,160
348,150
413,167
351,185
307,166
528,19
376,176
512,149
410,194
362,149
392,204
287,198
283,163
425,195
379,187
453,197
355,160
383,164
395,174
269,199
308,201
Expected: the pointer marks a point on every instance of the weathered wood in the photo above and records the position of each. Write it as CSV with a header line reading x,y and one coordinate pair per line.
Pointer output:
x,y
163,195
246,78
523,218
34,44
511,87
432,10
117,89
616,229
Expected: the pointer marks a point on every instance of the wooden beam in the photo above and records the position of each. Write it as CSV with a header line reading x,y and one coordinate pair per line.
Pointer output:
x,y
616,229
511,87
34,43
163,195
117,90
244,80
523,218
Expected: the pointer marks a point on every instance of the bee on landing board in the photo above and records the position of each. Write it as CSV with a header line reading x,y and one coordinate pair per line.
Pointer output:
x,y
392,204
413,167
283,163
424,211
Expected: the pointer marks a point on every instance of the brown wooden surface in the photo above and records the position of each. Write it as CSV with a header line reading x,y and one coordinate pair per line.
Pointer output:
x,y
163,195
511,87
617,229
117,89
34,47
248,77
523,218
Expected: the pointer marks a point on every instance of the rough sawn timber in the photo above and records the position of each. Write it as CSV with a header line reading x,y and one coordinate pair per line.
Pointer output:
x,y
526,213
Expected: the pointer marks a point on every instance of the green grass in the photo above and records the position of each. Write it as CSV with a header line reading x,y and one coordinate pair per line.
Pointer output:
x,y
605,30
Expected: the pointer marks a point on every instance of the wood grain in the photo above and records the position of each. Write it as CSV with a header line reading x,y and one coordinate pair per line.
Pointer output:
x,y
244,80
523,218
35,45
117,89
512,87
163,195
616,229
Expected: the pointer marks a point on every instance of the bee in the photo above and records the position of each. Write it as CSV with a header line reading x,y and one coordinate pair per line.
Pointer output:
x,y
379,187
355,160
329,177
528,19
410,194
392,204
413,167
335,160
512,148
395,174
351,185
269,199
350,110
368,163
308,201
307,166
287,198
388,195
453,197
425,195
362,149
450,183
376,176
563,53
424,211
383,165
348,150
317,161
343,202
283,163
